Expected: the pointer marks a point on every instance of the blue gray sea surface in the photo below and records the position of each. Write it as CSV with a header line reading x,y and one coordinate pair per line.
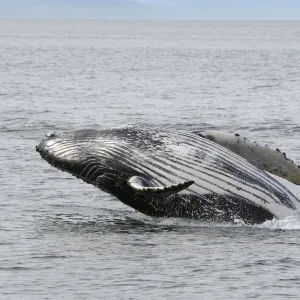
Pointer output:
x,y
63,239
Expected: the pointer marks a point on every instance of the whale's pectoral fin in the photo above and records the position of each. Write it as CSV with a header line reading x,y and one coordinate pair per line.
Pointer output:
x,y
259,155
142,186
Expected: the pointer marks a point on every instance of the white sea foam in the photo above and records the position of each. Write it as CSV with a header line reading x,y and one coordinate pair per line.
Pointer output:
x,y
289,223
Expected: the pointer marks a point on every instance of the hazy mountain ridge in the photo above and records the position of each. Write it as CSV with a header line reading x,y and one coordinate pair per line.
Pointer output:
x,y
74,8
153,9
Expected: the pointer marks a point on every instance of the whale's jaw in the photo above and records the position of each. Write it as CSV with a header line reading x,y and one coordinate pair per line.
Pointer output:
x,y
73,164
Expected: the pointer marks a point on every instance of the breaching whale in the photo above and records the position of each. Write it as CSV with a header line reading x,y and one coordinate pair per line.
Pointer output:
x,y
174,173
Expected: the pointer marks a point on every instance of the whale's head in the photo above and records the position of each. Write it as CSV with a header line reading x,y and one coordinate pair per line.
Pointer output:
x,y
86,154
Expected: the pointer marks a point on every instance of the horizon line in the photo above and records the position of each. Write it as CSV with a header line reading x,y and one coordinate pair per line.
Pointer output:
x,y
149,19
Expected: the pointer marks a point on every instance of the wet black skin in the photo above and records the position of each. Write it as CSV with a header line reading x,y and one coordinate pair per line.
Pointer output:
x,y
113,179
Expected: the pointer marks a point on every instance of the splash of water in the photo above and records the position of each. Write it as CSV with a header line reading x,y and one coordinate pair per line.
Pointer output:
x,y
289,223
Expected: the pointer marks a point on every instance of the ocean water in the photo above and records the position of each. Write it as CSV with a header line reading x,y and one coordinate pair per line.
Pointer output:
x,y
63,239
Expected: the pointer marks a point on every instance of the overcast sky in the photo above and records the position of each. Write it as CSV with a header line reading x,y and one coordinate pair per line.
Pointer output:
x,y
153,9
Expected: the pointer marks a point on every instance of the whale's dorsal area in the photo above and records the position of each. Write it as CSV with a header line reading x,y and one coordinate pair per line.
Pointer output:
x,y
258,154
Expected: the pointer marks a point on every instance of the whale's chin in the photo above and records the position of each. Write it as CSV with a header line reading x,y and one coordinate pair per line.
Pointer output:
x,y
73,166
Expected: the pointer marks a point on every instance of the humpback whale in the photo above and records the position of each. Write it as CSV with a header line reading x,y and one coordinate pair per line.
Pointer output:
x,y
174,173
